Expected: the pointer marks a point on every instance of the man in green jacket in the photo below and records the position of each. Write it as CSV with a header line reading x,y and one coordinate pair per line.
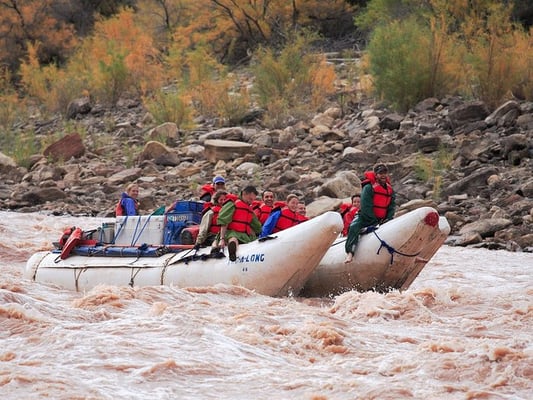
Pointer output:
x,y
377,206
238,222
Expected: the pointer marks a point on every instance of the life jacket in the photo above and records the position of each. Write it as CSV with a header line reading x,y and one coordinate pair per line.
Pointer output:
x,y
344,208
207,205
382,195
382,198
286,219
263,212
303,218
207,191
64,237
347,218
242,217
119,208
215,227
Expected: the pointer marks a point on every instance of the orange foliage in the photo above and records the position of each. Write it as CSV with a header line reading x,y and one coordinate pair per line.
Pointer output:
x,y
27,21
121,55
235,27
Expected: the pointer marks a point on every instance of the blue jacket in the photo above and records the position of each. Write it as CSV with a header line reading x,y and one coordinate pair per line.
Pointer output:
x,y
270,223
129,205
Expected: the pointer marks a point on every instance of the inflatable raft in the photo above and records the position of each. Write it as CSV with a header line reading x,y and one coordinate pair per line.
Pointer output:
x,y
387,258
146,250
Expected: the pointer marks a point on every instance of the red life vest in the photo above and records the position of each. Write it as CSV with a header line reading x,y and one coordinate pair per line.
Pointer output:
x,y
263,212
207,206
207,189
347,218
382,198
287,219
382,195
303,218
215,227
242,217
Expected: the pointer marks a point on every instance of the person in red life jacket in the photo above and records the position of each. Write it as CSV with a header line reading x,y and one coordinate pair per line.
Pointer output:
x,y
238,223
348,211
209,226
128,203
302,210
282,217
377,206
266,206
209,189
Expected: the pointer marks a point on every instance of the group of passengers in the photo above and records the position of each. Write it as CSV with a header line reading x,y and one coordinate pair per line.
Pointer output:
x,y
228,219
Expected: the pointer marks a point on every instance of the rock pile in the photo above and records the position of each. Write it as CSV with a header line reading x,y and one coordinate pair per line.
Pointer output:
x,y
473,166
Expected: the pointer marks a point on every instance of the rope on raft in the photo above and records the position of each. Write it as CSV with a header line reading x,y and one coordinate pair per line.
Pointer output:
x,y
391,249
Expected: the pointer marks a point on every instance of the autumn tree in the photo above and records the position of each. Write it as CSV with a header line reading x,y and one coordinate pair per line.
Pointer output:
x,y
33,21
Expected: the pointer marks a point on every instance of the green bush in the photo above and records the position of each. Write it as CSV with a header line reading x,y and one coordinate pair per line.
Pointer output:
x,y
296,78
399,55
169,106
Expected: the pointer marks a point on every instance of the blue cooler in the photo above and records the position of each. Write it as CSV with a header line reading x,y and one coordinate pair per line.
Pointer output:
x,y
184,214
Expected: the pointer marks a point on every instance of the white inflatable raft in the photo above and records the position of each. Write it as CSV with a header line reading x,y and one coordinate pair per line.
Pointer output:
x,y
276,267
388,258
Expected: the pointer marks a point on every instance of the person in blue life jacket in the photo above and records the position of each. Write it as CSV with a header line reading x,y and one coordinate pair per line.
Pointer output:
x,y
282,217
128,203
378,204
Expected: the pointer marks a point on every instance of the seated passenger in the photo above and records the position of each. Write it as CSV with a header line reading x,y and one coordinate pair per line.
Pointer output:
x,y
209,189
238,223
302,210
265,206
128,203
348,212
209,226
282,217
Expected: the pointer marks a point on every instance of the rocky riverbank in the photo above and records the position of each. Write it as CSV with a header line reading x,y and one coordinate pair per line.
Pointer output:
x,y
474,166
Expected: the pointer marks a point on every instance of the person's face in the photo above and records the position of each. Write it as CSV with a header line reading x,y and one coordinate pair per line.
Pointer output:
x,y
293,204
301,208
220,185
222,199
134,192
249,197
268,198
381,177
356,201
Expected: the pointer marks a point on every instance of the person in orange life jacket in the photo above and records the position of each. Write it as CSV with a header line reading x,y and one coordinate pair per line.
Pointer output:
x,y
238,223
282,217
209,227
378,203
128,203
266,206
348,211
208,190
302,210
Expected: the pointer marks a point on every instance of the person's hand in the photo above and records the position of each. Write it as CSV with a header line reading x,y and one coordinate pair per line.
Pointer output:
x,y
222,243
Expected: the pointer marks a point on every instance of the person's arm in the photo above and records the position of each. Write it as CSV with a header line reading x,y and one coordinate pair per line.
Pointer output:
x,y
256,225
366,212
391,209
205,224
270,223
224,218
